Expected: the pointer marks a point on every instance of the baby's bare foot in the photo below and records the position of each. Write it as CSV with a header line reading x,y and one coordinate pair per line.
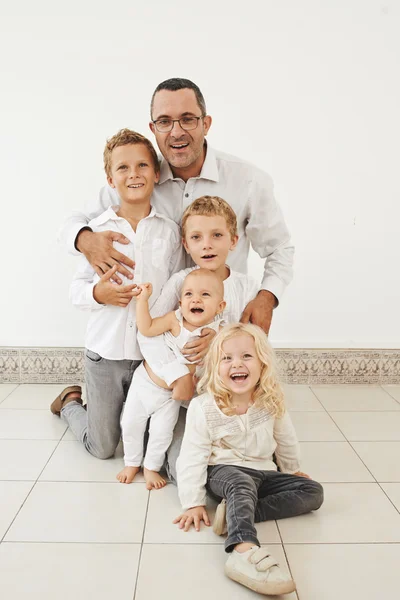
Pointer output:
x,y
153,480
127,474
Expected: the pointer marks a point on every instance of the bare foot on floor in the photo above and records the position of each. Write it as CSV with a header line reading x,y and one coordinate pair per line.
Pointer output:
x,y
127,474
153,480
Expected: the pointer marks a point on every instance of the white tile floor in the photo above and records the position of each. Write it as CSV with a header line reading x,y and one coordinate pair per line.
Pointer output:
x,y
68,530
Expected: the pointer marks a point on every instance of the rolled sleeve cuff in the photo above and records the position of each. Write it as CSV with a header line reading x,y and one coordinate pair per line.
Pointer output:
x,y
89,300
288,466
273,285
191,501
71,238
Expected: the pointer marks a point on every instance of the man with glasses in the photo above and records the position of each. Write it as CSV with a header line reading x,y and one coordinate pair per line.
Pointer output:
x,y
190,168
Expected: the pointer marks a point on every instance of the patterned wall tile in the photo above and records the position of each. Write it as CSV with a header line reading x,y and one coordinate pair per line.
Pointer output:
x,y
9,365
51,365
390,367
307,366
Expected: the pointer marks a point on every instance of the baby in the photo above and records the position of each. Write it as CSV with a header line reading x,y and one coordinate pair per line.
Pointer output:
x,y
149,396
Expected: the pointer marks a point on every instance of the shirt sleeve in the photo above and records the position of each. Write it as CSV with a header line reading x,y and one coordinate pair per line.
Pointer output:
x,y
81,289
193,459
78,220
269,236
154,349
251,290
177,261
287,450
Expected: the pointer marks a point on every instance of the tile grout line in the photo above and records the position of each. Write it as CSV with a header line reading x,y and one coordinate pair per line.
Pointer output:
x,y
390,395
286,556
9,394
206,545
368,469
327,412
141,546
34,484
378,482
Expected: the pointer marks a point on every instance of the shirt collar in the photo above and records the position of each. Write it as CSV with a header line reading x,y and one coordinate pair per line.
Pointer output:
x,y
111,215
209,169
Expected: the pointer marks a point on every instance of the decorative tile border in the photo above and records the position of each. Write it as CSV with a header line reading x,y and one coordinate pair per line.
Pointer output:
x,y
313,367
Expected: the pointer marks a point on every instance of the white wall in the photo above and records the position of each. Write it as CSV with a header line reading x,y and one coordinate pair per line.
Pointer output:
x,y
307,89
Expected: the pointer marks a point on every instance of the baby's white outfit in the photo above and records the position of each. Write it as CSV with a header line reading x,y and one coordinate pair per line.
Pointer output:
x,y
148,400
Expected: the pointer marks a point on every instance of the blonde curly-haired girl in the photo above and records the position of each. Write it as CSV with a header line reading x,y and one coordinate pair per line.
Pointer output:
x,y
233,430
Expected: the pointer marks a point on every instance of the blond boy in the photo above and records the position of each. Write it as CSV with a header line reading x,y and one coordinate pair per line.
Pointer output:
x,y
209,231
112,353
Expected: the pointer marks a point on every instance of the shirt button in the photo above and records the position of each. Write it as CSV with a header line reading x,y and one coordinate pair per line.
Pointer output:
x,y
186,195
131,325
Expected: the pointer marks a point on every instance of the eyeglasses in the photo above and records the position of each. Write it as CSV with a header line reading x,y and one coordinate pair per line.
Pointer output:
x,y
186,123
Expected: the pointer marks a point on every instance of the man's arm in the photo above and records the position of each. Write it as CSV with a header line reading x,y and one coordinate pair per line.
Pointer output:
x,y
79,220
98,248
270,238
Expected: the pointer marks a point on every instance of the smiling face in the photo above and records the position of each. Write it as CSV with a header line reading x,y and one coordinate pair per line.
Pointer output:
x,y
240,367
132,173
201,298
208,241
184,150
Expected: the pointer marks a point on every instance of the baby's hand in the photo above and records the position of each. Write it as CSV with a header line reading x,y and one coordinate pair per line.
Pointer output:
x,y
301,474
193,516
146,289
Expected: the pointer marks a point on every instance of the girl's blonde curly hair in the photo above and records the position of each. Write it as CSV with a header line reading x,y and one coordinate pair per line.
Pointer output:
x,y
268,391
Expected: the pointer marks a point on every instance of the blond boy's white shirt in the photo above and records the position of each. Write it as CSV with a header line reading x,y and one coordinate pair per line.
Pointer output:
x,y
157,251
239,290
245,187
250,440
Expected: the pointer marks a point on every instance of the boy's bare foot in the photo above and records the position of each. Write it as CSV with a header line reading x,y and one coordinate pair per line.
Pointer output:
x,y
153,480
127,475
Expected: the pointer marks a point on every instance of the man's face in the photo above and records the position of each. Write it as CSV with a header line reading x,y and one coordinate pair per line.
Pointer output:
x,y
179,147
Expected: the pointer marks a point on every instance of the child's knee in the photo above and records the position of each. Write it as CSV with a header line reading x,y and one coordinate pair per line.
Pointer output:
x,y
317,494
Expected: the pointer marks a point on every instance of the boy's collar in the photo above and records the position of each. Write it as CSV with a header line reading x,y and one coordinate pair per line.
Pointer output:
x,y
111,214
209,169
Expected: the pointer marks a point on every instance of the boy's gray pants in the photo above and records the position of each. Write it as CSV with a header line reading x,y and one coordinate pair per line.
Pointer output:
x,y
107,385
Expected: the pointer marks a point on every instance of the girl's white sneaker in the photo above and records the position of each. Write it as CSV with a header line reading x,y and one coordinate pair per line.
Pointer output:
x,y
259,571
219,523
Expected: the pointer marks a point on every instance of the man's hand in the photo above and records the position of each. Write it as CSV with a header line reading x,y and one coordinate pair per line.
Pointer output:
x,y
100,252
196,350
259,310
105,292
193,516
183,388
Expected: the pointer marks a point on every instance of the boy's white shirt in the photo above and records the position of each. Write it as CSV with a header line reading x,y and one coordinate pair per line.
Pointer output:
x,y
239,290
249,440
156,248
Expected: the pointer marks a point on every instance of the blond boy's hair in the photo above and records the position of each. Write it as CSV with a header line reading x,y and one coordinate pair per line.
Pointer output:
x,y
123,138
207,273
268,391
211,206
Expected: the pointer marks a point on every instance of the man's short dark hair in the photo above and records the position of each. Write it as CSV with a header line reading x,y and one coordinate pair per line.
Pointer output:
x,y
177,83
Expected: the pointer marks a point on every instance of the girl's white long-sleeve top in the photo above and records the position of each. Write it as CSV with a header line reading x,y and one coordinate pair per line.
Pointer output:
x,y
250,440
